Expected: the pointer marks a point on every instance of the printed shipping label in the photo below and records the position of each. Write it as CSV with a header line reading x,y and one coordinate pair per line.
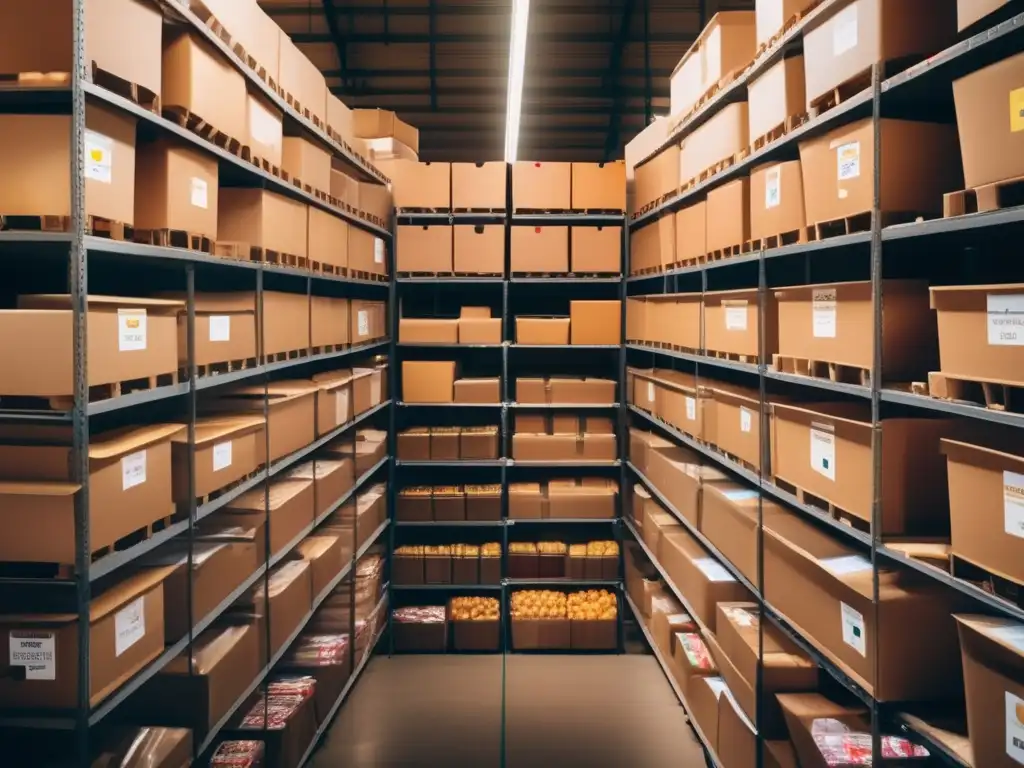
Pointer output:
x,y
746,420
691,409
99,157
713,569
129,625
220,327
1013,503
1015,727
1017,110
773,187
36,652
363,322
848,157
823,453
1006,319
221,456
341,406
378,250
844,31
824,313
133,470
200,193
736,318
854,633
847,564
131,330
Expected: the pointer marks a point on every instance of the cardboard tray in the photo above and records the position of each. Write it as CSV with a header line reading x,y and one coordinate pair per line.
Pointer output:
x,y
437,569
598,635
551,566
490,570
465,570
420,637
476,635
414,509
407,569
523,566
540,634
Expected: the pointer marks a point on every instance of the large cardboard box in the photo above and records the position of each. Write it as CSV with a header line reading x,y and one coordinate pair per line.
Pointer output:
x,y
639,148
327,239
479,186
285,601
680,402
334,405
366,252
772,15
729,520
542,330
479,249
568,389
345,188
737,737
263,43
596,250
652,248
691,662
424,248
678,475
803,710
129,339
290,407
686,85
827,322
838,169
419,185
981,333
704,581
264,133
846,44
290,511
599,186
284,324
657,177
301,81
675,319
732,322
777,204
382,123
367,320
428,381
725,46
432,330
774,96
540,250
307,162
376,200
225,451
339,119
176,188
225,329
199,82
825,450
728,216
595,322
989,143
993,663
735,422
720,138
479,390
39,653
705,692
479,328
691,233
262,219
971,11
823,588
129,488
36,150
541,186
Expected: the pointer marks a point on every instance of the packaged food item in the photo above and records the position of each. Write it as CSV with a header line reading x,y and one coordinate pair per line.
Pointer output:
x,y
474,609
522,548
602,548
842,747
592,605
490,549
238,754
696,651
420,614
538,604
552,547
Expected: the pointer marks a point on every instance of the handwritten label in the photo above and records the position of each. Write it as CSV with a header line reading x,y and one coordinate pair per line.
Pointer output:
x,y
824,313
848,159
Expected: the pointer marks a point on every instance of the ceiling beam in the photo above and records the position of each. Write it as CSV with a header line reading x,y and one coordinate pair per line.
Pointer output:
x,y
486,38
618,49
336,37
535,90
496,72
497,109
457,9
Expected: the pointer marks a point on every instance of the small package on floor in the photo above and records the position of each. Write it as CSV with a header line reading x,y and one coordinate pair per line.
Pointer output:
x,y
238,754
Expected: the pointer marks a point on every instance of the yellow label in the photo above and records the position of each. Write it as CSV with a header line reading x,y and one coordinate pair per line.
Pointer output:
x,y
1017,110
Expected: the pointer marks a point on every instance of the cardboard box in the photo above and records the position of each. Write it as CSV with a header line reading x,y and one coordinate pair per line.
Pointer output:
x,y
367,320
824,590
980,336
525,501
424,249
728,216
802,710
703,700
262,42
290,405
483,502
596,250
129,482
328,322
540,250
595,322
825,450
971,11
826,322
376,200
771,16
291,511
594,634
225,329
737,737
419,185
417,330
658,177
729,521
703,580
541,634
776,95
599,186
542,330
129,339
486,390
307,163
479,330
284,324
262,219
285,600
691,233
848,42
286,726
583,498
541,186
991,652
678,474
414,444
479,186
728,44
40,652
303,86
428,381
732,320
346,189
36,147
563,447
339,118
691,662
326,560
652,248
333,401
578,391
225,451
676,319
444,442
838,169
176,189
368,388
682,404
720,138
735,424
479,250
331,478
380,123
777,204
686,84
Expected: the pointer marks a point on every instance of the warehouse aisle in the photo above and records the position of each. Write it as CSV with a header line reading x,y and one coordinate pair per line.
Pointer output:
x,y
413,711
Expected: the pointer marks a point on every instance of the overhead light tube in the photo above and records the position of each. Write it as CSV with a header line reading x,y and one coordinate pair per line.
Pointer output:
x,y
516,67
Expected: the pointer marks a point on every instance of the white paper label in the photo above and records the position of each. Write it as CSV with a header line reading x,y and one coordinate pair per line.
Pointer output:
x,y
824,313
36,652
844,31
650,391
773,187
363,322
378,250
1013,503
746,420
846,564
264,127
735,318
848,159
1012,636
823,453
713,569
1006,320
99,157
133,470
341,406
744,494
221,456
854,634
691,409
131,330
220,327
129,625
1015,727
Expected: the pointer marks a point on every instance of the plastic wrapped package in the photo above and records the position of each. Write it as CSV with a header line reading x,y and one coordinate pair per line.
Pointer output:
x,y
326,657
842,747
146,748
238,754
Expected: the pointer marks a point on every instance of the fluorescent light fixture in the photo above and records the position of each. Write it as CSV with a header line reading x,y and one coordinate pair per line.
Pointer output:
x,y
516,65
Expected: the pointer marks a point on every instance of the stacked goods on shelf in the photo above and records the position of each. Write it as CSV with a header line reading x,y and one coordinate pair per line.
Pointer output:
x,y
460,564
591,561
552,187
476,623
565,390
479,188
420,629
563,437
421,504
589,323
449,444
585,498
437,381
555,620
474,325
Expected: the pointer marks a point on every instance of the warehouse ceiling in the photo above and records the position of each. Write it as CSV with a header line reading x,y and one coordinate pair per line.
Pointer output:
x,y
596,71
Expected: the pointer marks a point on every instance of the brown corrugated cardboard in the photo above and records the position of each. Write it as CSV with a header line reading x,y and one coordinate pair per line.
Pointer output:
x,y
675,319
414,444
34,148
596,250
595,322
332,479
588,498
727,45
525,501
345,188
705,691
38,653
478,390
823,587
777,203
291,406
479,443
720,138
802,710
285,324
737,737
542,330
264,133
367,321
328,321
540,250
291,510
263,219
479,249
703,580
427,331
564,389
327,239
333,401
680,402
729,521
732,320
339,118
652,248
366,253
658,177
428,381
325,557
377,200
380,123
825,450
849,41
264,42
563,447
776,95
129,339
225,451
198,81
424,248
993,656
419,185
541,186
728,215
971,11
225,328
479,330
535,391
599,186
303,85
176,188
735,424
479,186
677,473
307,162
838,169
771,15
285,600
687,83
691,233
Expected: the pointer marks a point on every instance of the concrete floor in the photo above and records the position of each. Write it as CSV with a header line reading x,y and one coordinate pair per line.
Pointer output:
x,y
419,711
